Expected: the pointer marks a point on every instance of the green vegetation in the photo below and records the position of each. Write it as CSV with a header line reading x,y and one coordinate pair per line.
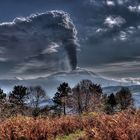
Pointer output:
x,y
73,136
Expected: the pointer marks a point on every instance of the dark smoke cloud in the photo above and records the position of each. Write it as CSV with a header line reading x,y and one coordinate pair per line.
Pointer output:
x,y
44,42
108,32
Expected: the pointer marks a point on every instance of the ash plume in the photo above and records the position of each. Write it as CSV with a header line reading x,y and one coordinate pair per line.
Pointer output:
x,y
35,43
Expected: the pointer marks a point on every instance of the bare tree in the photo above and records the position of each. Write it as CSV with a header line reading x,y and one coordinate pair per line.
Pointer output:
x,y
86,96
36,95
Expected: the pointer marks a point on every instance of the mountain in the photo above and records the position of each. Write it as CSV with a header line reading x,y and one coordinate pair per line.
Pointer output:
x,y
50,83
114,89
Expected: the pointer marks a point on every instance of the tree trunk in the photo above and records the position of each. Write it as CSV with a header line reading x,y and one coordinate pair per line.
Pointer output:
x,y
64,106
64,109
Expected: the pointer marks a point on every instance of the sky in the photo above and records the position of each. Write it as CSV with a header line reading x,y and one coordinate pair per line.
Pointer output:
x,y
99,35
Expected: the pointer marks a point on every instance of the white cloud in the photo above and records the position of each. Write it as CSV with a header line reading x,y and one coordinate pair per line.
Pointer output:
x,y
3,59
111,21
110,3
134,8
131,80
123,36
52,48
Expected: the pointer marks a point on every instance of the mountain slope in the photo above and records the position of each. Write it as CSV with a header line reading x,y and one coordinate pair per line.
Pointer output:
x,y
51,82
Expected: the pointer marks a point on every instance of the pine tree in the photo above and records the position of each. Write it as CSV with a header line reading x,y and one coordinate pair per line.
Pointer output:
x,y
2,95
61,95
111,103
124,98
18,95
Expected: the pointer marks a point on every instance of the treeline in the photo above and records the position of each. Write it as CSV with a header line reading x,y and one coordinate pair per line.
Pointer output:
x,y
21,100
88,97
83,98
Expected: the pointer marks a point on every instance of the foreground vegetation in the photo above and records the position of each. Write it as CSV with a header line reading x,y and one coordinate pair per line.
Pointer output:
x,y
83,112
124,125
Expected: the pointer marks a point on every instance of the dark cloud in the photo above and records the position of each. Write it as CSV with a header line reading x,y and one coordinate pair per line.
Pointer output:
x,y
108,32
40,43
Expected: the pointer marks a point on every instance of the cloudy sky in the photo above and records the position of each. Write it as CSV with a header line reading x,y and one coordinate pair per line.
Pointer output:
x,y
99,35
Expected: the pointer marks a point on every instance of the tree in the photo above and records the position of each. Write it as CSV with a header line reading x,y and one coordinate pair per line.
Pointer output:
x,y
2,95
60,98
19,95
86,96
124,98
77,99
2,102
36,95
111,103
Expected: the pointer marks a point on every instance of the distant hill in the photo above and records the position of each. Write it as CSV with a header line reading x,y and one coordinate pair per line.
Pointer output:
x,y
135,89
114,89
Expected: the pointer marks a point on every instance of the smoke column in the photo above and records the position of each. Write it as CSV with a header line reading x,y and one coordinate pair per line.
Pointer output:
x,y
32,35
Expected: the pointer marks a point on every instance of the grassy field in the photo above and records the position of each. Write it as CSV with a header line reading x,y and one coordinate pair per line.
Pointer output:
x,y
93,126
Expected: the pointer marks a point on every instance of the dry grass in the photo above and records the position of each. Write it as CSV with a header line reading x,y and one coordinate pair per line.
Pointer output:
x,y
121,126
21,127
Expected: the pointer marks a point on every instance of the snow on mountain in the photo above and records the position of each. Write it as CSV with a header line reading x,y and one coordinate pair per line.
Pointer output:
x,y
50,83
